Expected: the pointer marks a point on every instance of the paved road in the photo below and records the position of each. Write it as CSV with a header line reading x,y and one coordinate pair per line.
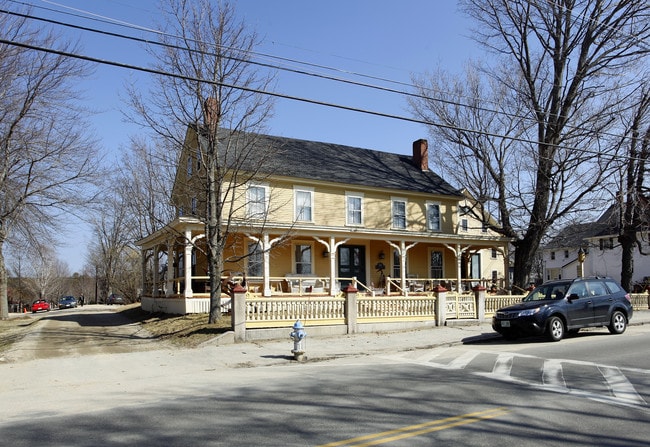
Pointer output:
x,y
453,395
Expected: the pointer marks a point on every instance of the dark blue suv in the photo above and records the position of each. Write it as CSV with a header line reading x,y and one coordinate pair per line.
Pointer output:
x,y
558,307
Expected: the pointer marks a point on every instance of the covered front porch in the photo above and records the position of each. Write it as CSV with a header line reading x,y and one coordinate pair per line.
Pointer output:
x,y
306,261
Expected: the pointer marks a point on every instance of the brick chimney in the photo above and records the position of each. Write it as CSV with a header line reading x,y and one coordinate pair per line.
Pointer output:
x,y
421,154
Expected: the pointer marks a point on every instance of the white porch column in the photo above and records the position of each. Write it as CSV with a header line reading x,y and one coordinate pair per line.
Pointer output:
x,y
266,273
156,268
266,244
332,246
402,250
170,267
187,262
459,264
143,272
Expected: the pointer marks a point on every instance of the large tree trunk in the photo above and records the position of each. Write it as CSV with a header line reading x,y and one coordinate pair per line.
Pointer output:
x,y
525,250
627,241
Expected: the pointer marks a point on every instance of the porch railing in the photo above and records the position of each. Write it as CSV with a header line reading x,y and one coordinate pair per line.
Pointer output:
x,y
278,285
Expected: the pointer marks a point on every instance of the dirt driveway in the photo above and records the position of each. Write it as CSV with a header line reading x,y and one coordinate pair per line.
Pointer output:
x,y
81,331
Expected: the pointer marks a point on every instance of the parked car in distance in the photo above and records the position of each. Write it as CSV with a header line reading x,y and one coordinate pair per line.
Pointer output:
x,y
114,299
67,302
40,305
558,307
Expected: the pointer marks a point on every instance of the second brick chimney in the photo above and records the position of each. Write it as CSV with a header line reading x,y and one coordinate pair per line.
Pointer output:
x,y
421,154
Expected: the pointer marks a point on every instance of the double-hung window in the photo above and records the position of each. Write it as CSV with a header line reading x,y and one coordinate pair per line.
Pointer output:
x,y
435,264
255,259
433,216
399,213
303,258
304,204
257,200
354,207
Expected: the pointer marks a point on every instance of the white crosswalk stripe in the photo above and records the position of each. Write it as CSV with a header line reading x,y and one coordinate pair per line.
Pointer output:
x,y
620,386
551,373
552,376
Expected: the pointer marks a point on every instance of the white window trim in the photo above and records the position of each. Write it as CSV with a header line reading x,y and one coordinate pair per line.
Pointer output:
x,y
296,190
426,210
349,195
265,186
394,200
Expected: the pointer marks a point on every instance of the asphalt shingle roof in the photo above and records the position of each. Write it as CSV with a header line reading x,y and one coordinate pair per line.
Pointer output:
x,y
312,160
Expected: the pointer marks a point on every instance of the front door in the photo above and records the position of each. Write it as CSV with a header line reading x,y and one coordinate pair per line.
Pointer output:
x,y
352,262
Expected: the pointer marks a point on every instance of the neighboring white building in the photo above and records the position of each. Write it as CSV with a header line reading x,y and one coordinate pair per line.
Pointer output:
x,y
599,242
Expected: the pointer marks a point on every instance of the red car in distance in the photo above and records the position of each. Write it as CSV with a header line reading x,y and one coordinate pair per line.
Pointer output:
x,y
40,305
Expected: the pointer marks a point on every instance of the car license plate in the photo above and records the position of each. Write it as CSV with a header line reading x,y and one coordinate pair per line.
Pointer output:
x,y
505,323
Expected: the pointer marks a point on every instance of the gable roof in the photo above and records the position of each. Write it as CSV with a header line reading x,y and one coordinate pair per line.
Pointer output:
x,y
318,161
574,235
608,224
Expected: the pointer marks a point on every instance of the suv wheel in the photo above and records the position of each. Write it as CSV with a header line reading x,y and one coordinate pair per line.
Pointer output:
x,y
618,323
555,329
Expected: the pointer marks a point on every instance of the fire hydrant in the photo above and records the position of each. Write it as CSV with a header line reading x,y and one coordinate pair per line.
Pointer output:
x,y
298,336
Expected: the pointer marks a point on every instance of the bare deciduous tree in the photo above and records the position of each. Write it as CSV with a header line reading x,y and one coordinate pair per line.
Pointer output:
x,y
215,90
46,155
527,140
112,244
144,180
634,208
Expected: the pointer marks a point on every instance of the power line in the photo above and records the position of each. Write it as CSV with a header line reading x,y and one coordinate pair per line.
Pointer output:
x,y
108,20
280,95
274,94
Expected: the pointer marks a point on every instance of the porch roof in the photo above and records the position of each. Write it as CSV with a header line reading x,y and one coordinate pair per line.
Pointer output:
x,y
179,225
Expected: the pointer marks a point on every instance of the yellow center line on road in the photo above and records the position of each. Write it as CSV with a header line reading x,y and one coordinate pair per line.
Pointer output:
x,y
420,429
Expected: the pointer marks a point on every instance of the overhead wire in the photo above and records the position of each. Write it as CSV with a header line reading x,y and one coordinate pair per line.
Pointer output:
x,y
275,94
112,21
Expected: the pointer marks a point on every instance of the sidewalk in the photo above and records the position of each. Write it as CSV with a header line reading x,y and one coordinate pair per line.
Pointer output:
x,y
271,352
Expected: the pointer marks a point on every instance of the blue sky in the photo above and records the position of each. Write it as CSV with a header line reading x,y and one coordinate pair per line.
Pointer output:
x,y
379,38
